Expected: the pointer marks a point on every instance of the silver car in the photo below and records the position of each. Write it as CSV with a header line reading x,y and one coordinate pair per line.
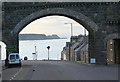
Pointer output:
x,y
14,59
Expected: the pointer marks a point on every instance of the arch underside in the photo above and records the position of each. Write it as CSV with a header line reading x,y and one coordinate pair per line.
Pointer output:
x,y
78,17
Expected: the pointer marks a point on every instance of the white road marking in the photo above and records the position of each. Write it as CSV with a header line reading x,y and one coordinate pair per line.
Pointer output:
x,y
16,74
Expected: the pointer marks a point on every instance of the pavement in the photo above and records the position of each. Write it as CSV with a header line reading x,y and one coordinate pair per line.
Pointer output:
x,y
88,64
59,70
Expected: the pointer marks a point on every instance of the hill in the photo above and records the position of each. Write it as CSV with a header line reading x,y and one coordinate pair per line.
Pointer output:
x,y
37,37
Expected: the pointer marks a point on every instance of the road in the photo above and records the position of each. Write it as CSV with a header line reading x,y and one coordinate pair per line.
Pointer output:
x,y
59,70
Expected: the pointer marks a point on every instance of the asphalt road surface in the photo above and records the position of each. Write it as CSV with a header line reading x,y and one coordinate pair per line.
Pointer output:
x,y
59,70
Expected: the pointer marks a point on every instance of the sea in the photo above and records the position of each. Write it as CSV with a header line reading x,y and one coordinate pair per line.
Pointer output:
x,y
29,47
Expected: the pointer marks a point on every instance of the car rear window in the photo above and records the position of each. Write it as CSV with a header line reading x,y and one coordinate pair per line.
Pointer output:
x,y
12,56
17,57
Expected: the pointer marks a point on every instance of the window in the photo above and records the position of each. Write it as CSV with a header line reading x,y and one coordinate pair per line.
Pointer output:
x,y
12,57
17,57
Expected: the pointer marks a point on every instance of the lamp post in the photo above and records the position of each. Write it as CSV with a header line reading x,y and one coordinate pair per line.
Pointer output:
x,y
70,39
71,30
48,51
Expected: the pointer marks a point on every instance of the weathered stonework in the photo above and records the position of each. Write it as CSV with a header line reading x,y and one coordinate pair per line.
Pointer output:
x,y
99,18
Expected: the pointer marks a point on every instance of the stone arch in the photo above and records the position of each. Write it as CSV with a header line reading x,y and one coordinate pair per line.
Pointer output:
x,y
78,17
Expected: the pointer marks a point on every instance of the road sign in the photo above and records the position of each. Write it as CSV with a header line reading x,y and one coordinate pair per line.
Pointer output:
x,y
48,47
11,47
48,51
93,60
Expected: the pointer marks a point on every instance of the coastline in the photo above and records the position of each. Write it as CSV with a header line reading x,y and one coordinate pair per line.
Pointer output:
x,y
39,39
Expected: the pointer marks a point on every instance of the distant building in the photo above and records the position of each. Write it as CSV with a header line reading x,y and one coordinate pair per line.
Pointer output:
x,y
63,54
68,50
84,54
76,49
73,48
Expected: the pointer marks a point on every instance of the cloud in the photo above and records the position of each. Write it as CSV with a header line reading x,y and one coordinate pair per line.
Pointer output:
x,y
47,21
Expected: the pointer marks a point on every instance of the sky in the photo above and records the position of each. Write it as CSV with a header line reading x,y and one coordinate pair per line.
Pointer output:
x,y
54,25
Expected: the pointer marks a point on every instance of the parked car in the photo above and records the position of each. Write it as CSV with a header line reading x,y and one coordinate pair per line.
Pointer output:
x,y
14,59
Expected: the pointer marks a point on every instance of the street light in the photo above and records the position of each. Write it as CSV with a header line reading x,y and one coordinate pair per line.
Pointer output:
x,y
71,38
48,51
71,30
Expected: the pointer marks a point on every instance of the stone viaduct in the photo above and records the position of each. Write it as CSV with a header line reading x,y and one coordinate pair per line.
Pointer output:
x,y
101,19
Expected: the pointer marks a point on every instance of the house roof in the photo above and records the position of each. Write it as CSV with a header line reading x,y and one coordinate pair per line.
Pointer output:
x,y
84,43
